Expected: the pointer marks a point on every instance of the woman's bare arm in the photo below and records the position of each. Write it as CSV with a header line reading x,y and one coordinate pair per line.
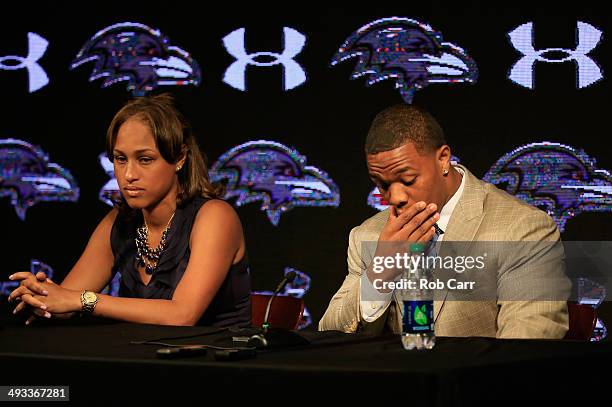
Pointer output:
x,y
93,270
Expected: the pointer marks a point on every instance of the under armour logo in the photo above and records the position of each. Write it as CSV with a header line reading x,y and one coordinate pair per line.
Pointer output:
x,y
37,46
587,37
293,73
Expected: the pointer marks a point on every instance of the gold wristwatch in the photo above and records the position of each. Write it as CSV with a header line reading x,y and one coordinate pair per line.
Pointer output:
x,y
89,299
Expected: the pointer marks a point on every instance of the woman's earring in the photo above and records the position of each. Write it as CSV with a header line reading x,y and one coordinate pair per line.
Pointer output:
x,y
445,172
178,168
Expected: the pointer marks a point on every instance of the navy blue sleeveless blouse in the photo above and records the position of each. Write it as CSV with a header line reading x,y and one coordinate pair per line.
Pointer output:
x,y
232,304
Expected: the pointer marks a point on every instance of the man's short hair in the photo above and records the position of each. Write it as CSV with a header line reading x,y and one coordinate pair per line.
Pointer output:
x,y
399,124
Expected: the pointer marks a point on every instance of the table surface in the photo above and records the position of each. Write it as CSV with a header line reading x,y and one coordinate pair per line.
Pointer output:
x,y
457,368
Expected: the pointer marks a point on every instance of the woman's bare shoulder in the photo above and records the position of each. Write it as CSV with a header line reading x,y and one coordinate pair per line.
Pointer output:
x,y
217,209
109,218
217,217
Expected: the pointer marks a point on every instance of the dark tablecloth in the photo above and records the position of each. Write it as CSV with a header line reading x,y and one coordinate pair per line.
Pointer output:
x,y
101,365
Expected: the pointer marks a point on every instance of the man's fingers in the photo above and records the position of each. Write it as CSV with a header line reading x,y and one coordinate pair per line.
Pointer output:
x,y
400,227
426,237
392,214
396,222
30,319
410,213
420,221
425,227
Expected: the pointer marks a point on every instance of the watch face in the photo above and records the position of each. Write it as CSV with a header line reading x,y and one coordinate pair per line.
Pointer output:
x,y
90,297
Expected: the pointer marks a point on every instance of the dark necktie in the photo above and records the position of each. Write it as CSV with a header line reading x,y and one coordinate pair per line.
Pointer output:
x,y
432,249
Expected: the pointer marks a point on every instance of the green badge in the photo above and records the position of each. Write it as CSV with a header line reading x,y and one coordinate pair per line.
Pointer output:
x,y
420,315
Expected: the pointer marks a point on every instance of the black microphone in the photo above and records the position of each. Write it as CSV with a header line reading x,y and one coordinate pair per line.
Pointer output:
x,y
289,277
271,337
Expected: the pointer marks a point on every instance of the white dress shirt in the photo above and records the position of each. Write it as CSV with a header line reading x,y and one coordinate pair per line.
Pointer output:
x,y
372,310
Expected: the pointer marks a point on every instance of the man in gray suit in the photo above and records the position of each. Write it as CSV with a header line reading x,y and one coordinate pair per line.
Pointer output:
x,y
409,161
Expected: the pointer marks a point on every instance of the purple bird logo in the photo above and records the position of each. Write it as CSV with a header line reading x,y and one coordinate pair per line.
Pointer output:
x,y
109,193
556,178
139,55
274,174
407,51
27,177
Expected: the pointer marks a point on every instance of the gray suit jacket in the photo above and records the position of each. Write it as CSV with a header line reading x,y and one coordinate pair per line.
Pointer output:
x,y
487,214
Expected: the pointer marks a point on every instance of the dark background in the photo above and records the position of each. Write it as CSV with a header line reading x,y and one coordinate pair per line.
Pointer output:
x,y
325,119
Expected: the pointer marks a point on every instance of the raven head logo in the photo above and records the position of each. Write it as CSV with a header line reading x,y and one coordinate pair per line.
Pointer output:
x,y
27,177
376,200
274,174
109,193
556,178
407,51
137,54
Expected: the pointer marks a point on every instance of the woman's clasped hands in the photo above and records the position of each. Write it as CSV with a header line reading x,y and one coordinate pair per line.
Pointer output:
x,y
42,297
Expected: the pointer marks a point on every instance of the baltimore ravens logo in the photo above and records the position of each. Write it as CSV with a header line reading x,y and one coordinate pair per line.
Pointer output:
x,y
376,200
27,177
274,174
411,53
137,54
109,193
554,177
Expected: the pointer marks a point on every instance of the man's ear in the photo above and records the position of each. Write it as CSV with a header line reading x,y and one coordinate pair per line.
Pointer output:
x,y
443,158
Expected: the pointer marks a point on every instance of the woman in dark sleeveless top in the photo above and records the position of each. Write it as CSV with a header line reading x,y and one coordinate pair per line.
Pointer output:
x,y
180,252
231,305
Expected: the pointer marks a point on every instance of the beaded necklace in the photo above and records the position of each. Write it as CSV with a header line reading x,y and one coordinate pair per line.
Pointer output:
x,y
145,255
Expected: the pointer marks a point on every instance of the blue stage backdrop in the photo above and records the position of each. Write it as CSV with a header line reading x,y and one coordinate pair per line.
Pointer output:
x,y
281,103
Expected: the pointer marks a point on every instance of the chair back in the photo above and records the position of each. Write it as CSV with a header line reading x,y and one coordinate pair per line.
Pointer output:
x,y
582,319
286,311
